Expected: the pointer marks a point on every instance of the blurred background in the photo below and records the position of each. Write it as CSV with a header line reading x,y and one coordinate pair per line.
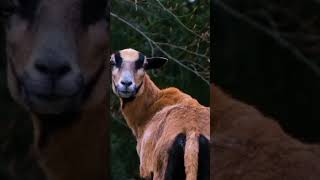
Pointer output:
x,y
267,53
176,29
16,159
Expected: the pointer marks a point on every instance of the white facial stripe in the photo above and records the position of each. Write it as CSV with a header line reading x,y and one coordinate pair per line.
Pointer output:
x,y
129,55
129,60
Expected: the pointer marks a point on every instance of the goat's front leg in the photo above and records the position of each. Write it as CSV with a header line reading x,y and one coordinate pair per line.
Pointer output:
x,y
145,150
145,165
149,177
145,172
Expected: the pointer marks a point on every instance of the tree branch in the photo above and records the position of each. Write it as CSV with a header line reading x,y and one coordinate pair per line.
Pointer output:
x,y
181,23
184,49
158,47
281,41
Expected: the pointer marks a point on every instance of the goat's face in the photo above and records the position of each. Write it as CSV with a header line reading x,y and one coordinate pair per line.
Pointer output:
x,y
55,50
128,71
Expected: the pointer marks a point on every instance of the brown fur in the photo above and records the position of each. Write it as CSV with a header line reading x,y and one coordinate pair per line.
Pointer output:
x,y
156,117
247,145
76,152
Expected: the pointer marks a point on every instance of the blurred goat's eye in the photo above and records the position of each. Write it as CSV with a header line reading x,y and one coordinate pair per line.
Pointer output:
x,y
93,11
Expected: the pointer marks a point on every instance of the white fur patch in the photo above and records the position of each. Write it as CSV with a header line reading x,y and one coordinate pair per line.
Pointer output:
x,y
129,55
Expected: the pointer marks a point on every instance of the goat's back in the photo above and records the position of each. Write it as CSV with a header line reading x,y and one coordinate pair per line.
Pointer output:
x,y
162,131
247,145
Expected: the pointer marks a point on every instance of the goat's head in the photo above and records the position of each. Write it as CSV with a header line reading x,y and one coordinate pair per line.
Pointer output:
x,y
55,52
128,71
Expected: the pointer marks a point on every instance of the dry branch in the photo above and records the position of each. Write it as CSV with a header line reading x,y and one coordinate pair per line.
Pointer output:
x,y
274,35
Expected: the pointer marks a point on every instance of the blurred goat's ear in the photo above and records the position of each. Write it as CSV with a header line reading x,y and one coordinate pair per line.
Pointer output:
x,y
155,62
112,61
112,57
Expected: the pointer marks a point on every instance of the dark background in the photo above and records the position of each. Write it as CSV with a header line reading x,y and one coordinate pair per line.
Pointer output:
x,y
267,53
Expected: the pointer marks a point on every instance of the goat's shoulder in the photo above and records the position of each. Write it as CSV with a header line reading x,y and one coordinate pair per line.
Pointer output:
x,y
171,92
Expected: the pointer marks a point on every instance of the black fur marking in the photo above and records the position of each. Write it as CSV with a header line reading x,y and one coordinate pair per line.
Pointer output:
x,y
118,60
149,177
93,11
140,61
127,100
155,62
138,88
204,159
50,124
175,167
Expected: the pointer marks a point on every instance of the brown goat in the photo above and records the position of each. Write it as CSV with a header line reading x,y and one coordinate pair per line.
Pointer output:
x,y
56,71
172,129
246,145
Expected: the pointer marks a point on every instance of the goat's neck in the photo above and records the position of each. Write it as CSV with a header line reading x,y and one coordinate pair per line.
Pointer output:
x,y
220,104
76,150
139,111
226,110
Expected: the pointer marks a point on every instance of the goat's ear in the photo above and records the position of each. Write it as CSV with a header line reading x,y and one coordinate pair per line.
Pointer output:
x,y
112,62
111,56
154,62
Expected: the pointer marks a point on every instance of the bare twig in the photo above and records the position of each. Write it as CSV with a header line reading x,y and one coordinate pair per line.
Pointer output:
x,y
284,43
152,49
158,47
181,23
184,49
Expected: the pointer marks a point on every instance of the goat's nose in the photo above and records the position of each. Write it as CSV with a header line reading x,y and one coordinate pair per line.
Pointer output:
x,y
126,83
52,68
